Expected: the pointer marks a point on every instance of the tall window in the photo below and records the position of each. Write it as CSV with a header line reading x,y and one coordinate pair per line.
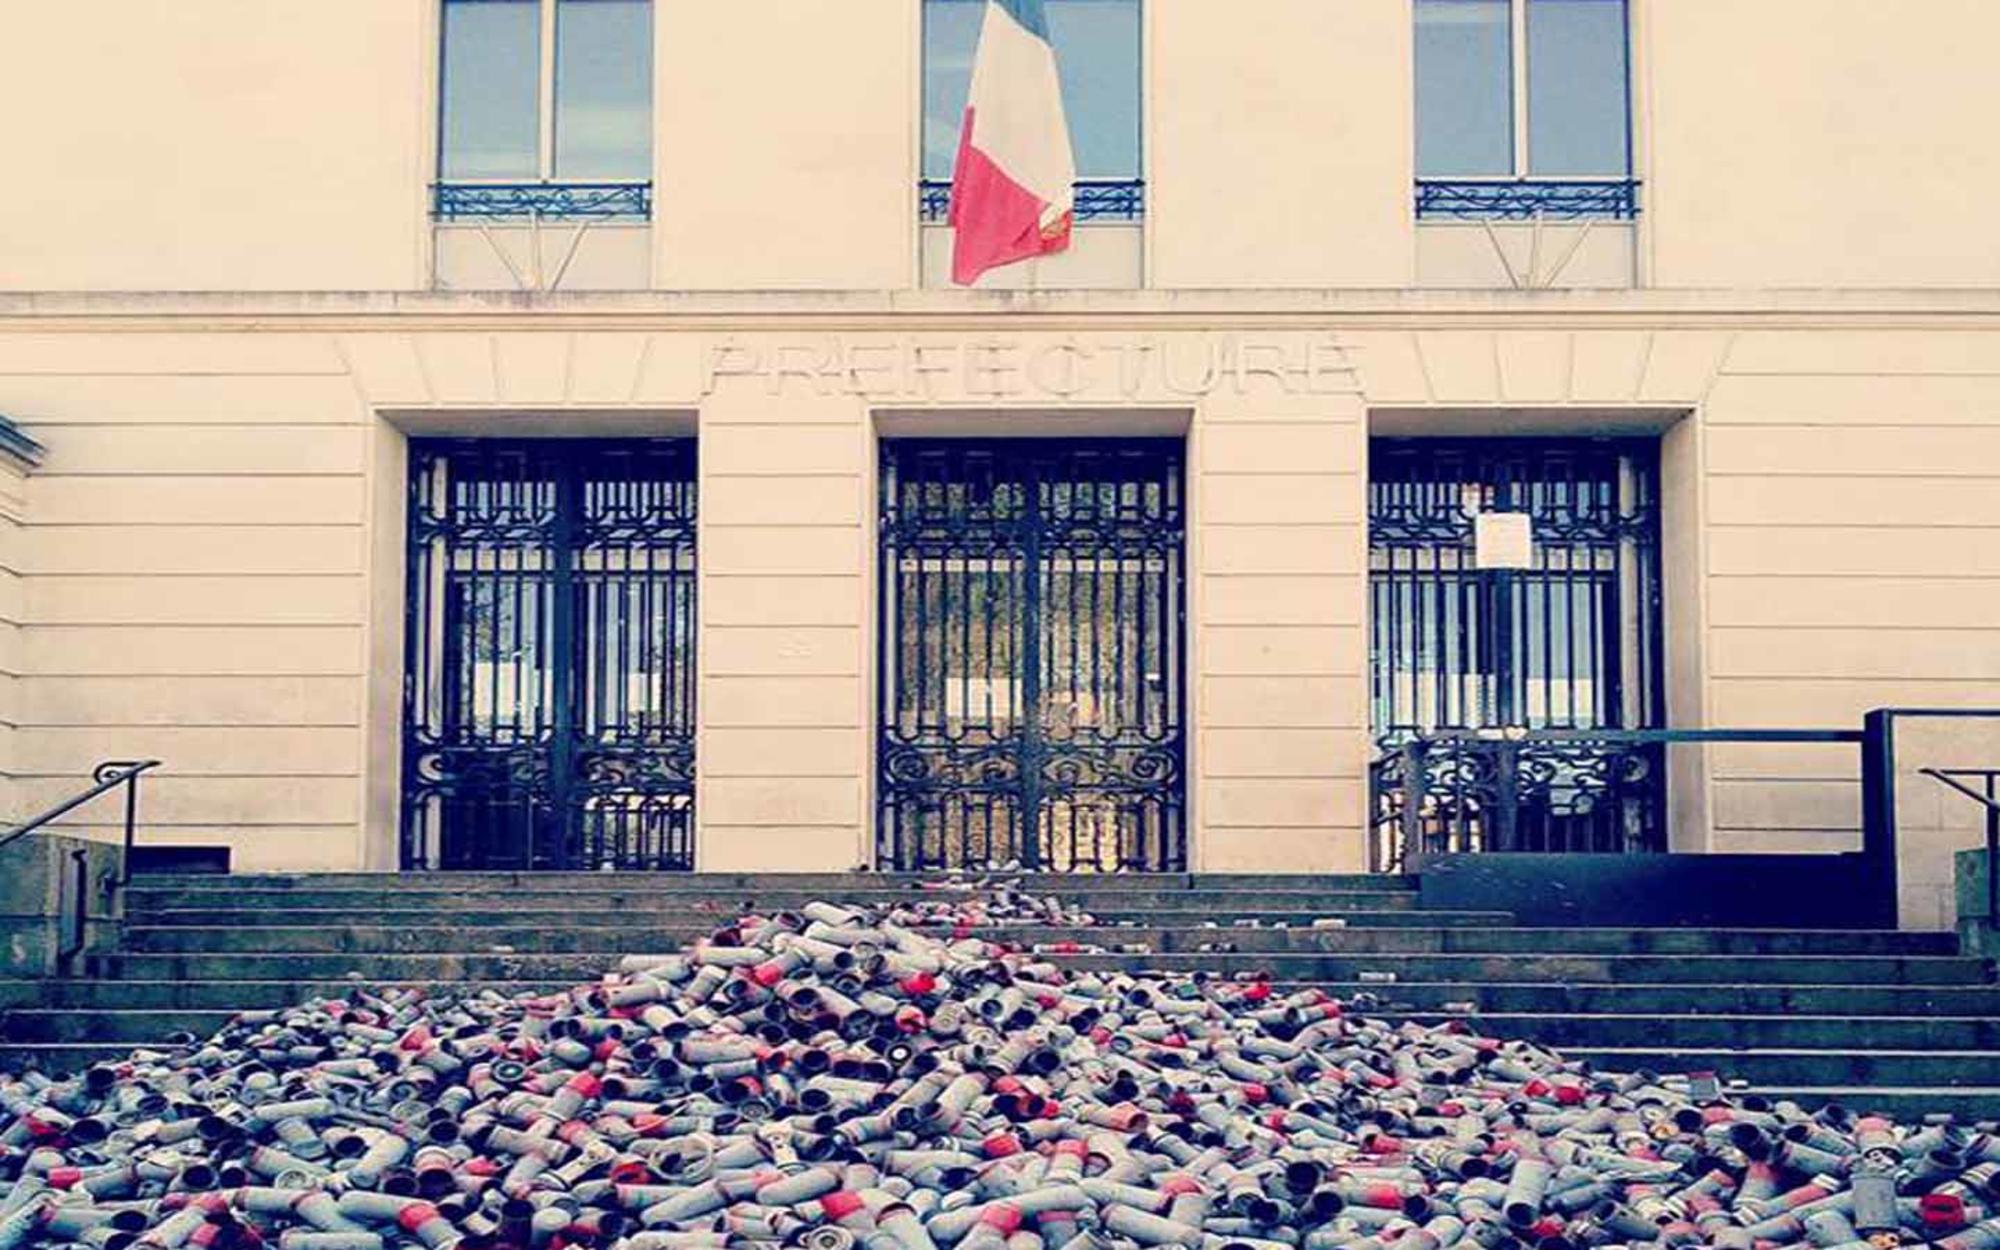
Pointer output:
x,y
1525,91
1097,55
546,105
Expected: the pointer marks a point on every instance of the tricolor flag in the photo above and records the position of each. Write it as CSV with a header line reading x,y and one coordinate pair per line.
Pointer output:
x,y
1011,194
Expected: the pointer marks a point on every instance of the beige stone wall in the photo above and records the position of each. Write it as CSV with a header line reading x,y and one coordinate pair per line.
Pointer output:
x,y
785,144
228,145
192,583
13,508
208,565
249,145
1279,148
1817,143
1853,490
1278,602
786,545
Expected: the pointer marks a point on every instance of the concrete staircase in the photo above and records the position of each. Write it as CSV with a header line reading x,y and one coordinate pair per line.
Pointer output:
x,y
1896,1021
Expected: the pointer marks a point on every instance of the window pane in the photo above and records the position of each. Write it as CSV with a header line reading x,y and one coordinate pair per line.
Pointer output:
x,y
1465,109
1097,54
604,89
492,62
951,31
1577,105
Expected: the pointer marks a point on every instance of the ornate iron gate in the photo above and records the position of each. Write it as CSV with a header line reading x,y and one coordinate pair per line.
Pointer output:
x,y
1031,655
1492,672
549,664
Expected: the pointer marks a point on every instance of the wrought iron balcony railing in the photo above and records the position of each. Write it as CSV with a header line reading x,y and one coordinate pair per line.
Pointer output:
x,y
546,201
1097,199
1567,791
1527,199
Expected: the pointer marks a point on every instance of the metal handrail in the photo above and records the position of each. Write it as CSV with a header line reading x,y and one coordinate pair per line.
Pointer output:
x,y
108,776
1990,800
1645,735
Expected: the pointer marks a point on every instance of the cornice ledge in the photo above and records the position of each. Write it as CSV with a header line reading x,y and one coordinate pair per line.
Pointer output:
x,y
251,310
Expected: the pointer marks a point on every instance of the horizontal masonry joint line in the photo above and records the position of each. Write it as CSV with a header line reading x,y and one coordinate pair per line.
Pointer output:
x,y
1209,474
1858,629
708,526
1311,524
136,727
175,574
32,524
354,626
848,726
1313,778
186,475
1308,827
193,423
153,623
1213,425
785,475
1843,426
843,475
1257,576
1852,476
1276,726
1797,679
169,773
141,675
1884,525
1739,372
259,374
1851,527
1854,577
153,823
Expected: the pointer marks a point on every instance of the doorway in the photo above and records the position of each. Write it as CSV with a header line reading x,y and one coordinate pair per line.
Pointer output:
x,y
549,672
1031,663
1515,606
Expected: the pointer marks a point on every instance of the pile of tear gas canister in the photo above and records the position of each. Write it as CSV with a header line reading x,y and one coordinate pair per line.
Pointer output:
x,y
886,1078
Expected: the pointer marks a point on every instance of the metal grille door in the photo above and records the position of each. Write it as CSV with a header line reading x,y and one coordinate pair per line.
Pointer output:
x,y
1031,626
1528,657
549,679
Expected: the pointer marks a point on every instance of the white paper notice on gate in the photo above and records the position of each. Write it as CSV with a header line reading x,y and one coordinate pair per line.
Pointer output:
x,y
1503,540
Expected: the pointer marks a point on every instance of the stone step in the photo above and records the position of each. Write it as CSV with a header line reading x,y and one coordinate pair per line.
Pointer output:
x,y
1970,1104
136,1023
267,965
1564,967
589,935
1910,1104
1536,1000
1566,1031
661,913
132,1026
618,895
1044,882
60,1057
1854,1068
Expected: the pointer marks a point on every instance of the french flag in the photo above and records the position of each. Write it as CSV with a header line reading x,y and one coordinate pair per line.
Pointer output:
x,y
1011,192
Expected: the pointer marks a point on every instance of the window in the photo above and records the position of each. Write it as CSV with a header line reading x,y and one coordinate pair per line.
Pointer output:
x,y
1523,108
1097,56
546,108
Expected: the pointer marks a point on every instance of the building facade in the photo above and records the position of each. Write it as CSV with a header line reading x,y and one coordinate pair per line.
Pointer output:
x,y
496,432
